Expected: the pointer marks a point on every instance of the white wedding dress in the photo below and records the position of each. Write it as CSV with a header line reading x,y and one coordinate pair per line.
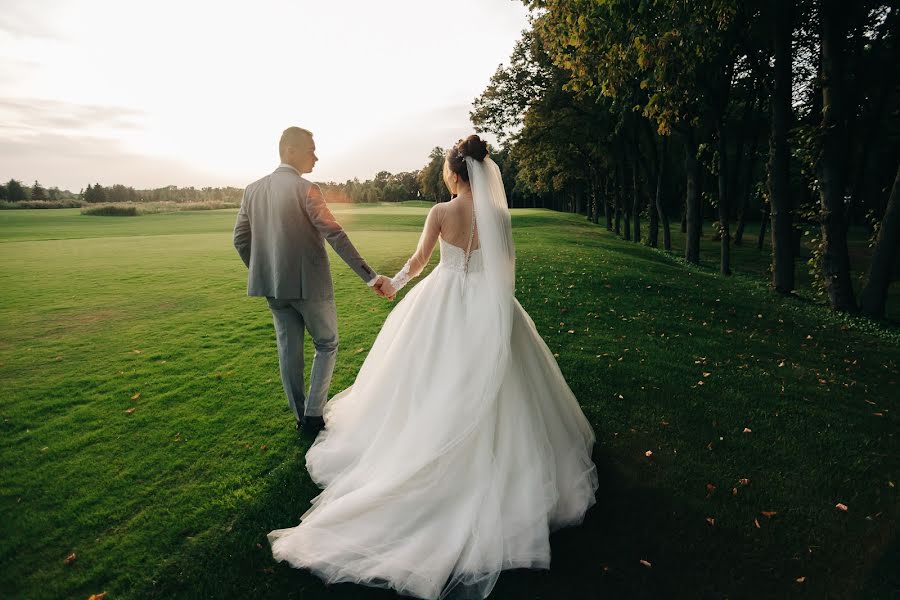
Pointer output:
x,y
454,454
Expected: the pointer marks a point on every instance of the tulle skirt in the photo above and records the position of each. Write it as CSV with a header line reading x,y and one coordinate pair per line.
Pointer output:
x,y
431,488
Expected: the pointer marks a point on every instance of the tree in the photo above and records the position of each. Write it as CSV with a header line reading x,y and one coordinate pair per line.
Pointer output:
x,y
431,177
834,20
381,179
38,192
782,212
99,194
681,56
873,297
14,191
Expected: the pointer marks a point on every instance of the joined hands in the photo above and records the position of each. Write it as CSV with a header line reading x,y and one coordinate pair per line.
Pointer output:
x,y
383,288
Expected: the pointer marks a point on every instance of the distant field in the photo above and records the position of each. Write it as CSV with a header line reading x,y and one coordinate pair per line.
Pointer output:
x,y
717,378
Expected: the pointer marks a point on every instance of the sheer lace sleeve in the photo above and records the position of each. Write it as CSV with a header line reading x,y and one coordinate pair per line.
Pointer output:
x,y
427,240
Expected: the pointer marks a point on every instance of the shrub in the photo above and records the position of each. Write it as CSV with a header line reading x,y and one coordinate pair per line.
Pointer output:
x,y
110,210
40,204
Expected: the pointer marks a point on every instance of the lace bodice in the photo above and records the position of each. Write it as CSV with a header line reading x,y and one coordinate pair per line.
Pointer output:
x,y
453,257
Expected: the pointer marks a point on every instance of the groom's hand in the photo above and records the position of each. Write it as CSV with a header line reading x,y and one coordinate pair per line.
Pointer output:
x,y
379,283
388,290
384,288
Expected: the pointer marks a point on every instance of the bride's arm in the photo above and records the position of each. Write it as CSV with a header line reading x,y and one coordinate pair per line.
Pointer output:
x,y
427,240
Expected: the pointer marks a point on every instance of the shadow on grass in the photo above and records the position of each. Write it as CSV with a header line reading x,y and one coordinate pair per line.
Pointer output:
x,y
600,559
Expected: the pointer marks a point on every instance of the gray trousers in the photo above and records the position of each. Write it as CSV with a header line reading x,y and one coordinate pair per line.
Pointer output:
x,y
291,317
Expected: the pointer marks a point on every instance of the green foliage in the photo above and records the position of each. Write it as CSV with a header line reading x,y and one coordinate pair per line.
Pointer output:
x,y
38,192
111,211
41,204
431,177
14,191
385,187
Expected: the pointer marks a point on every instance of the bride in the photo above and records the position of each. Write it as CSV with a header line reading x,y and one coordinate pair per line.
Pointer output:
x,y
459,447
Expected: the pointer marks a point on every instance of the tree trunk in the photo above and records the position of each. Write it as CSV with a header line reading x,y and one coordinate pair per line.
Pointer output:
x,y
692,201
724,208
762,226
833,159
626,218
660,169
779,154
745,192
617,207
636,206
607,207
873,297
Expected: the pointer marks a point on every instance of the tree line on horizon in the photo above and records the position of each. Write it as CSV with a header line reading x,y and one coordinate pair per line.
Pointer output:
x,y
781,111
424,184
15,191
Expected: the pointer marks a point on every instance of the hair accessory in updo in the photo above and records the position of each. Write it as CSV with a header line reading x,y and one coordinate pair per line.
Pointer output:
x,y
473,147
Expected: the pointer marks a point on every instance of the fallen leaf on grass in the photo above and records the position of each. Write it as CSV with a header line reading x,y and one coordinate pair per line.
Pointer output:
x,y
648,453
646,563
99,596
136,396
841,507
70,559
128,411
768,513
710,520
710,488
744,481
756,522
747,430
264,447
136,352
801,579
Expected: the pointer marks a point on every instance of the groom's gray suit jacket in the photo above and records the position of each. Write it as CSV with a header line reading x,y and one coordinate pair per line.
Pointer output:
x,y
280,233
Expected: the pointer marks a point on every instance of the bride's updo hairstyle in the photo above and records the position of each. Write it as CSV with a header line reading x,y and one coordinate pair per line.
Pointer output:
x,y
473,147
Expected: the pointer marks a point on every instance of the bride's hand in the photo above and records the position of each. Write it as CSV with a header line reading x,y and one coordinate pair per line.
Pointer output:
x,y
387,289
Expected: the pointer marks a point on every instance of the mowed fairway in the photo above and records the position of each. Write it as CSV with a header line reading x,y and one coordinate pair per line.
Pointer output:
x,y
145,429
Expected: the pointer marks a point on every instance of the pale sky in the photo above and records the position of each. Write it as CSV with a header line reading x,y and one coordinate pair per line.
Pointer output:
x,y
195,92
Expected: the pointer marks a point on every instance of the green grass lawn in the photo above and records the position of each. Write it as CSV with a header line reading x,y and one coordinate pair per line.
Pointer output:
x,y
749,404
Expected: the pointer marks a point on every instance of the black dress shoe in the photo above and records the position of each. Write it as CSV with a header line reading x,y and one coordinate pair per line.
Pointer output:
x,y
312,424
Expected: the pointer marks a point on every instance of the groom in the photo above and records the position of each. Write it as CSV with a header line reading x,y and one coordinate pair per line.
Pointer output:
x,y
279,234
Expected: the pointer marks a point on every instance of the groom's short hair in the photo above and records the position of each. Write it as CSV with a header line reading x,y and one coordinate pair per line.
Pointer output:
x,y
293,136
